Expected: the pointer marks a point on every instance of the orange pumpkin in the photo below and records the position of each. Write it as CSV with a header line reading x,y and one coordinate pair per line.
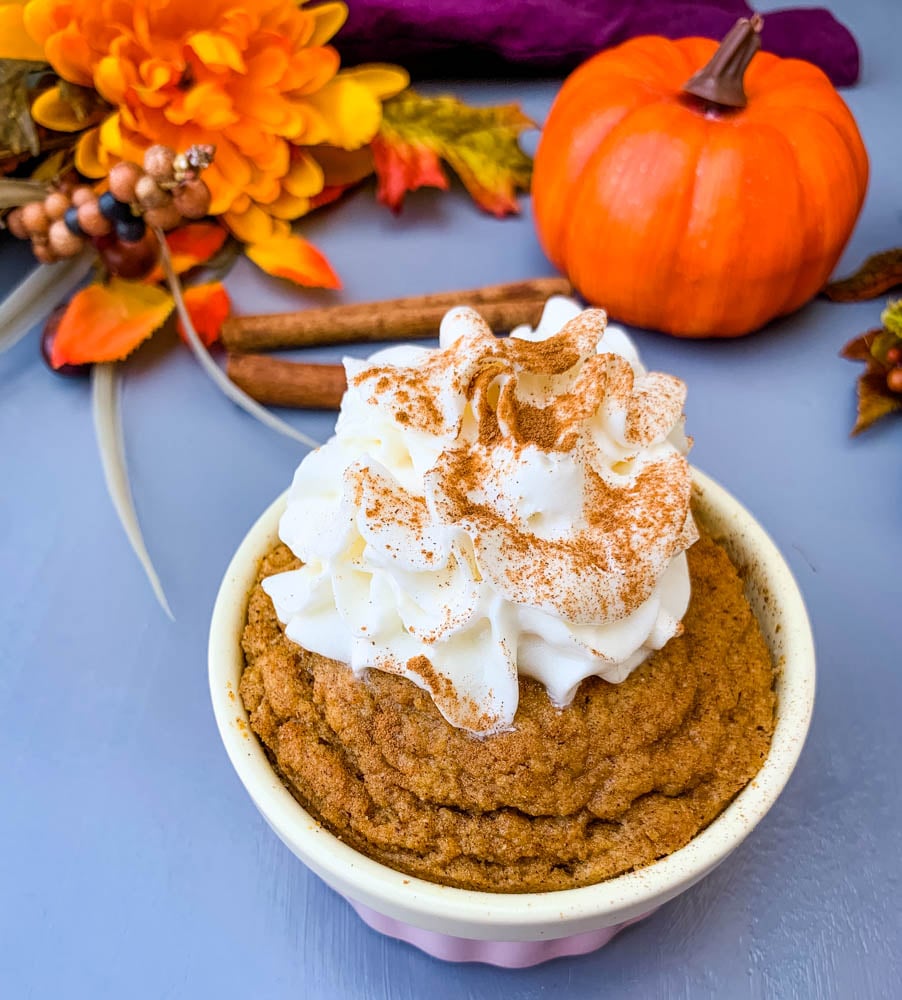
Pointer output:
x,y
678,212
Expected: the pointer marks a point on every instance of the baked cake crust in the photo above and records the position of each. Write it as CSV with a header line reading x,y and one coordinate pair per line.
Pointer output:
x,y
624,775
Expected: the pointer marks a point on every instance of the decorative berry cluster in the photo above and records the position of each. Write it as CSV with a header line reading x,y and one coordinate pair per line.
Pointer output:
x,y
165,193
894,375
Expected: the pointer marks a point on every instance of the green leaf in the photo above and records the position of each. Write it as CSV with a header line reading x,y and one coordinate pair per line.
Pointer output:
x,y
891,317
15,192
882,342
18,133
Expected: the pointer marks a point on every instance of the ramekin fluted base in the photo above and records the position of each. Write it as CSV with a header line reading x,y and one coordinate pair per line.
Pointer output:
x,y
506,954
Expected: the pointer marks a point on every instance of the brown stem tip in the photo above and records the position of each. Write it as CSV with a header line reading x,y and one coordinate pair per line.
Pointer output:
x,y
720,82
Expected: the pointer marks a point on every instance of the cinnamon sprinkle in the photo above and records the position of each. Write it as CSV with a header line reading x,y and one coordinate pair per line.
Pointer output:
x,y
630,527
463,709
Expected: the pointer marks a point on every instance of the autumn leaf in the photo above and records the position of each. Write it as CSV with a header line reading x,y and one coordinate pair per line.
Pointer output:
x,y
17,129
403,167
190,246
859,348
292,257
53,166
479,144
881,350
107,322
878,274
209,307
874,400
328,195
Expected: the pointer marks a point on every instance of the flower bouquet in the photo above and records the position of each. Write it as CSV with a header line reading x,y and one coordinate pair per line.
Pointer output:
x,y
149,144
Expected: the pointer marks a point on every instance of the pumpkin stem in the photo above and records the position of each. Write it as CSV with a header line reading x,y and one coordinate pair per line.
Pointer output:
x,y
720,82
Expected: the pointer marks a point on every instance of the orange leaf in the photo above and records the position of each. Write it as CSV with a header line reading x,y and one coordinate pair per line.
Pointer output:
x,y
208,306
107,322
480,144
190,246
328,195
294,258
403,167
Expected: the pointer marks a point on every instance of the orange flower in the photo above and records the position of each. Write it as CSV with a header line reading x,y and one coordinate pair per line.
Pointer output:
x,y
255,78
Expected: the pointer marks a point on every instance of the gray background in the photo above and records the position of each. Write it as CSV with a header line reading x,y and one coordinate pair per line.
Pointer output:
x,y
132,863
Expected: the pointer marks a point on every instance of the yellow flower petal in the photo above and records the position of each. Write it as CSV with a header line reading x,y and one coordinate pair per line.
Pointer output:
x,y
287,206
111,135
157,73
252,226
351,114
257,80
151,97
90,158
305,178
310,69
15,41
271,154
128,118
216,51
223,193
206,105
267,67
240,204
69,53
382,80
234,167
40,19
110,79
329,17
51,111
263,188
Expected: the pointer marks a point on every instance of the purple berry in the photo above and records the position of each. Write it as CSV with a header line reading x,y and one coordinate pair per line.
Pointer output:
x,y
71,220
48,335
131,230
112,209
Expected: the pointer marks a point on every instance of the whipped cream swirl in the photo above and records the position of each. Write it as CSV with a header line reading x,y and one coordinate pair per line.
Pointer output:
x,y
494,507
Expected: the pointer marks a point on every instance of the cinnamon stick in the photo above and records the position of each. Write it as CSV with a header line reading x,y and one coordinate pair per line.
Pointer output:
x,y
305,385
503,307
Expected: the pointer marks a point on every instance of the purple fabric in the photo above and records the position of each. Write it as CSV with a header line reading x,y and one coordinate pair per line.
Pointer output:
x,y
467,37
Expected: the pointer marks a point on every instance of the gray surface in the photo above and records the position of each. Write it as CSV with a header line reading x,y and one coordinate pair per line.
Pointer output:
x,y
132,863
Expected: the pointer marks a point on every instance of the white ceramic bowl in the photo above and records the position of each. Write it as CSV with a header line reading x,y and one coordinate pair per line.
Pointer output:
x,y
526,928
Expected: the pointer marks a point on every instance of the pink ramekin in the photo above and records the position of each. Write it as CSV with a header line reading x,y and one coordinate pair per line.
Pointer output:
x,y
521,929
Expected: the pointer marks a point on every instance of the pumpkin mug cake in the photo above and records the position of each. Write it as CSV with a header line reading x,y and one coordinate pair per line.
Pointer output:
x,y
494,649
